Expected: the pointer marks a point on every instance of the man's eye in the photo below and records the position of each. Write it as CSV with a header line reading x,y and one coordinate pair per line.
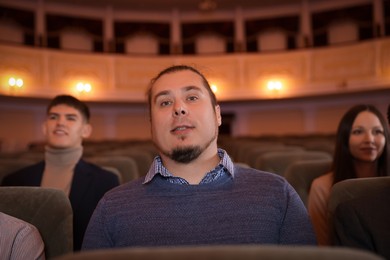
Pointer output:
x,y
192,98
71,118
165,103
52,117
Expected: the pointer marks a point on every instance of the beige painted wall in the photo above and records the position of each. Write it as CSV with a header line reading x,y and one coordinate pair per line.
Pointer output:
x,y
17,129
276,122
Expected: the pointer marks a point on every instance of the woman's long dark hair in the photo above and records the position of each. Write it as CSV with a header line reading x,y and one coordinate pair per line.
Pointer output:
x,y
343,167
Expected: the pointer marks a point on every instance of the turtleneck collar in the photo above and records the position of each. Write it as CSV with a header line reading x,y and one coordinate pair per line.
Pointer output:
x,y
62,157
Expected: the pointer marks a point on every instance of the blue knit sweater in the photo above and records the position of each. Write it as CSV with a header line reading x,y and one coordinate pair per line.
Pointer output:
x,y
254,207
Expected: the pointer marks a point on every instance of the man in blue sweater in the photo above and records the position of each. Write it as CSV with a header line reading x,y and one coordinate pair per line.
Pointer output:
x,y
193,194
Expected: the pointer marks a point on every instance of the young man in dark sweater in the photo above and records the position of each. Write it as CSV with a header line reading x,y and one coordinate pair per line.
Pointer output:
x,y
193,194
65,127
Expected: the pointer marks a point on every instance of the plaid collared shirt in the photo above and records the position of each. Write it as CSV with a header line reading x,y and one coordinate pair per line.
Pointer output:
x,y
224,167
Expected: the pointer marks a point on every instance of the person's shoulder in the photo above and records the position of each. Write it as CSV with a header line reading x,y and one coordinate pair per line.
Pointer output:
x,y
22,236
323,180
9,222
126,189
262,183
249,172
98,173
257,177
94,168
23,174
31,168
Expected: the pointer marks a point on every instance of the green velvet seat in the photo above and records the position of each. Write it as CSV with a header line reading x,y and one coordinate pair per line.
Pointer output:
x,y
300,174
49,210
277,162
354,188
126,165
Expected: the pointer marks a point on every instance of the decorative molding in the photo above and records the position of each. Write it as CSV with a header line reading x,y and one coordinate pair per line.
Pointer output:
x,y
125,78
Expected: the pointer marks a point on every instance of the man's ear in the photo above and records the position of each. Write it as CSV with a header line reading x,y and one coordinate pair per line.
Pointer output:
x,y
218,114
87,130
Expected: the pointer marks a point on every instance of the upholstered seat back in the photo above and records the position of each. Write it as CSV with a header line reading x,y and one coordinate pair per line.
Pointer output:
x,y
300,174
49,210
242,252
126,165
142,157
355,188
277,162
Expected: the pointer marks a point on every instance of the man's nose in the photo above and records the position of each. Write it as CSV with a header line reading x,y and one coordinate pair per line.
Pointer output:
x,y
179,111
60,120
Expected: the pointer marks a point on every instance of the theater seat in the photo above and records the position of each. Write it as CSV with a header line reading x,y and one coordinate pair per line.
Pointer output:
x,y
278,162
125,165
359,214
300,174
49,210
240,252
355,188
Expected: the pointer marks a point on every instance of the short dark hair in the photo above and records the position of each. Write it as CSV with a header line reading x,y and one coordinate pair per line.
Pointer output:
x,y
177,68
343,160
72,102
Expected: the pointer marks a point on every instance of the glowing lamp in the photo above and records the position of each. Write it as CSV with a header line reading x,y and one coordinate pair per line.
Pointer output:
x,y
274,85
214,88
83,87
14,82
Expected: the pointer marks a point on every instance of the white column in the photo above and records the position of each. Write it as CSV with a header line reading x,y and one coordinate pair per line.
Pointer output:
x,y
108,37
379,23
240,40
306,37
176,41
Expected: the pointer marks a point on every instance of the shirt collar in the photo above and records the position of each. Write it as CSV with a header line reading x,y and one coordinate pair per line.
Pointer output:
x,y
157,166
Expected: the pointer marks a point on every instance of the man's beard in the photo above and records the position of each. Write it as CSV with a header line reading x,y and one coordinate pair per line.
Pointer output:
x,y
185,154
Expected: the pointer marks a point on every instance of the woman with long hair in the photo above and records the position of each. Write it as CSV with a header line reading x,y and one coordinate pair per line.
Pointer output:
x,y
362,150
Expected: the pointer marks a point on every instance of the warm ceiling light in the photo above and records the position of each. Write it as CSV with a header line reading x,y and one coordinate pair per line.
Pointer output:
x,y
274,85
214,88
87,87
14,82
83,87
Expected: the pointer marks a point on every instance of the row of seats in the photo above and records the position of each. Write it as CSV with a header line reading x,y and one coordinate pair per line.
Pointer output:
x,y
271,153
240,147
247,252
296,163
277,154
300,159
50,211
128,160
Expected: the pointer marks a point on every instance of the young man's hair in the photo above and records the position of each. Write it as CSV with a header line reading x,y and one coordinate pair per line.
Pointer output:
x,y
177,68
72,102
